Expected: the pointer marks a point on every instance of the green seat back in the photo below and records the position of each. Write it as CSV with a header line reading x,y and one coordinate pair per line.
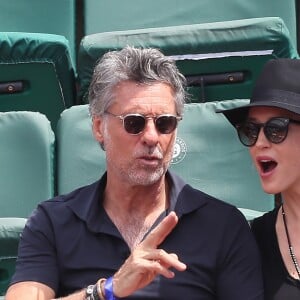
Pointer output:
x,y
228,56
26,160
80,160
54,17
36,74
103,16
10,230
207,155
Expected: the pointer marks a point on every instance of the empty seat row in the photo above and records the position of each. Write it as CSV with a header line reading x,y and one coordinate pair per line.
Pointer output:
x,y
220,60
115,15
74,19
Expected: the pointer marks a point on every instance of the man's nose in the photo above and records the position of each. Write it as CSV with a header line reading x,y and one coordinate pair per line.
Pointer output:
x,y
150,134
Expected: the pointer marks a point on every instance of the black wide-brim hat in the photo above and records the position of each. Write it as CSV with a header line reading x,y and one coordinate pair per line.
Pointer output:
x,y
278,85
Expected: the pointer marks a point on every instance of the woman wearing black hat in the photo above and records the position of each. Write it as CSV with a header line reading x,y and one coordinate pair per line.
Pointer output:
x,y
270,127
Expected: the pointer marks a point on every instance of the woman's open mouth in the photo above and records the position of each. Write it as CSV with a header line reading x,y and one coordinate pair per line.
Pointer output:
x,y
267,165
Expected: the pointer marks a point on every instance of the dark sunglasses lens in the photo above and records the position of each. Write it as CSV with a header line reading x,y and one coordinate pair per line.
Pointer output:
x,y
134,124
276,130
166,124
248,133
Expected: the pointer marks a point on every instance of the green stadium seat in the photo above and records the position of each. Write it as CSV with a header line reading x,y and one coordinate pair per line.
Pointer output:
x,y
54,17
26,160
10,230
36,74
113,15
80,160
27,177
207,155
220,60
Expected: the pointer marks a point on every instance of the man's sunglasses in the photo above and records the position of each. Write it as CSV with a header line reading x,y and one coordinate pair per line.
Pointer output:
x,y
275,130
136,123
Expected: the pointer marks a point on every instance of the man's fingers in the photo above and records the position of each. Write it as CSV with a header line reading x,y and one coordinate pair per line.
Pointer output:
x,y
168,260
158,234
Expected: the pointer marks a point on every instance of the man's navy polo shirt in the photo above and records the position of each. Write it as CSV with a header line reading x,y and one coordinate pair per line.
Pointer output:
x,y
69,242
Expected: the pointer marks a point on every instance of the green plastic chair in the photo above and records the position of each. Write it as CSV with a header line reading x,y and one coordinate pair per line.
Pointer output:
x,y
53,17
113,15
36,74
80,160
220,60
207,155
27,178
10,230
27,162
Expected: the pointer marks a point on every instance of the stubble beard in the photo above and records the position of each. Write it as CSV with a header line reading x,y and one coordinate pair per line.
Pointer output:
x,y
135,173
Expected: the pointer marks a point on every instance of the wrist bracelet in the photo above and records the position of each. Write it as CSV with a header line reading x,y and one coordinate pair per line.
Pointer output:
x,y
108,288
99,289
94,292
89,293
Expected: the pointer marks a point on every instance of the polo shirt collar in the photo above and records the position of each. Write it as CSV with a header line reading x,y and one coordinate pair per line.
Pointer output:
x,y
87,203
88,206
184,199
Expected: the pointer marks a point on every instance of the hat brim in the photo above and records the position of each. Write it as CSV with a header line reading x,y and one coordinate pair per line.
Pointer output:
x,y
277,86
238,115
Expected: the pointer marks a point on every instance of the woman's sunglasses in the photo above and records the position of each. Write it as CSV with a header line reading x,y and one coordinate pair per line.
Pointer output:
x,y
275,130
136,123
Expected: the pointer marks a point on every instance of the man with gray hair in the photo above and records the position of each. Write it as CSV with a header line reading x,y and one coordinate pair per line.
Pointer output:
x,y
140,232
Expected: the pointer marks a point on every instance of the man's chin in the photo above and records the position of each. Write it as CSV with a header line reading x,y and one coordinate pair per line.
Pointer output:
x,y
147,177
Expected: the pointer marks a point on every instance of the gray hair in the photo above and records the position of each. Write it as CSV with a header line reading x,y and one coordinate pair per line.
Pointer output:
x,y
145,66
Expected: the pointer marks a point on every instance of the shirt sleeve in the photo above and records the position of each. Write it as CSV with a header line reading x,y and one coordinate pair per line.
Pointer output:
x,y
37,259
240,271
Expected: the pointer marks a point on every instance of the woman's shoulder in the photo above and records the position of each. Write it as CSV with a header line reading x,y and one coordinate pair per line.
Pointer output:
x,y
265,219
264,225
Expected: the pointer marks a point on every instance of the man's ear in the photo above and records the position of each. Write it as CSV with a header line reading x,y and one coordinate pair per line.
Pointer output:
x,y
98,129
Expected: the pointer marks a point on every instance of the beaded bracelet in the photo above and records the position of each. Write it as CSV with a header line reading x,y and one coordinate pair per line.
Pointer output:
x,y
99,289
108,288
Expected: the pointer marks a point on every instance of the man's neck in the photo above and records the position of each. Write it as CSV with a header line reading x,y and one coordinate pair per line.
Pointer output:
x,y
134,209
135,198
